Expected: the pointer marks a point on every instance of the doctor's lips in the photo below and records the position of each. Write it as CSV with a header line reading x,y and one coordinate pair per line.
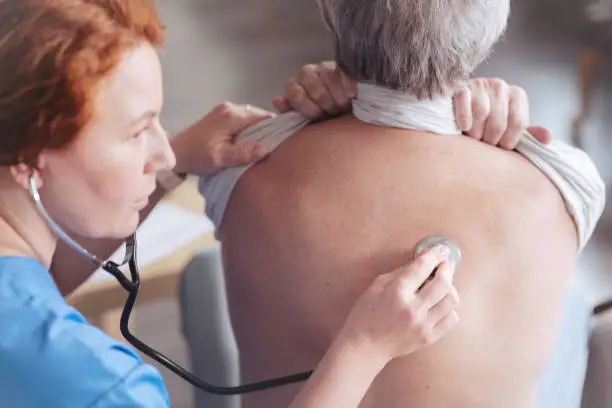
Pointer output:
x,y
142,202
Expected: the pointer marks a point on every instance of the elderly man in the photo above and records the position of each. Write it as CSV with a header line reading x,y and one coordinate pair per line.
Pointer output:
x,y
339,202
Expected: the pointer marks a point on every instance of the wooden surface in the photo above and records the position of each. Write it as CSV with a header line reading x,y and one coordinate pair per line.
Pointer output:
x,y
158,281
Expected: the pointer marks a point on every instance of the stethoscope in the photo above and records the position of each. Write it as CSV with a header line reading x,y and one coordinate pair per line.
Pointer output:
x,y
132,285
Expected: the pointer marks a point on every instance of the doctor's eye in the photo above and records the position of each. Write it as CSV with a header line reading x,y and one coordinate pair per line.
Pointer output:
x,y
141,132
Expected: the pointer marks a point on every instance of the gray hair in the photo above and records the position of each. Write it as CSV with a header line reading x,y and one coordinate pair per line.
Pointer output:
x,y
424,47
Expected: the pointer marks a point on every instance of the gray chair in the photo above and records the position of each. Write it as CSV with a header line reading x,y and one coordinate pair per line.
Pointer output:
x,y
207,328
214,355
597,391
561,383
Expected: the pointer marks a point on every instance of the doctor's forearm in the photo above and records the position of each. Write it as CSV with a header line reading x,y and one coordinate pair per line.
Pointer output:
x,y
70,269
342,378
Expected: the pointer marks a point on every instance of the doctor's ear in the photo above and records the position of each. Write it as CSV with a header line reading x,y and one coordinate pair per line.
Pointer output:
x,y
22,172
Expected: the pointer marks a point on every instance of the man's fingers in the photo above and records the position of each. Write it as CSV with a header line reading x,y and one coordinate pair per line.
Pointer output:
x,y
481,106
541,133
331,78
462,102
516,126
497,122
518,118
300,101
231,155
316,89
348,84
281,105
520,106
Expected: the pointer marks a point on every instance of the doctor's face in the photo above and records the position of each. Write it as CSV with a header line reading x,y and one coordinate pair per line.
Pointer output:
x,y
97,185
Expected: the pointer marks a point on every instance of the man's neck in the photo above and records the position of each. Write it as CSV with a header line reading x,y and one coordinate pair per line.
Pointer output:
x,y
385,107
23,232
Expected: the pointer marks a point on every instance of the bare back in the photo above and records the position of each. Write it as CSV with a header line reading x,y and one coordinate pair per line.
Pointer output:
x,y
307,230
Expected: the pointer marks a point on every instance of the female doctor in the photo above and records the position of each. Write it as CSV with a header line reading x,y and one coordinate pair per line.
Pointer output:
x,y
80,98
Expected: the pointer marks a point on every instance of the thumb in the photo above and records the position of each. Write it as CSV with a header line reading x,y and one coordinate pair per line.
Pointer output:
x,y
540,133
232,155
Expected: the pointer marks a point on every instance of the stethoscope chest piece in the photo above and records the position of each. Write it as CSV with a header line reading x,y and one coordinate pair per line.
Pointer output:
x,y
434,240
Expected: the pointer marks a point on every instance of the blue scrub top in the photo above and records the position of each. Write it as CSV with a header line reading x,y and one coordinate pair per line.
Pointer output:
x,y
51,357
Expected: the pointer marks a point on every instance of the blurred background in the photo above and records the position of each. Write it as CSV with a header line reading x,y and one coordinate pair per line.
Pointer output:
x,y
244,50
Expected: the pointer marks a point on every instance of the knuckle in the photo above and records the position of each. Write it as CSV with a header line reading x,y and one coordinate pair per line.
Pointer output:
x,y
449,324
461,93
307,70
403,273
510,139
399,293
291,81
411,311
464,116
445,285
318,94
312,112
290,84
416,319
495,129
296,93
455,296
423,261
506,143
449,305
329,66
225,109
454,319
498,85
518,91
480,110
515,122
328,74
425,335
244,152
479,83
475,135
216,158
442,285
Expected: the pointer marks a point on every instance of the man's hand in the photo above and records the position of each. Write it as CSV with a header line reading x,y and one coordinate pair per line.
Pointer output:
x,y
208,145
318,89
487,109
495,112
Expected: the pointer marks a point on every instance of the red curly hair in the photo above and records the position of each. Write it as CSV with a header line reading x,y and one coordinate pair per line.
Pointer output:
x,y
53,54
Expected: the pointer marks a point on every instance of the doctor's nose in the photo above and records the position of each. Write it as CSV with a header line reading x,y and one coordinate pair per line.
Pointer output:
x,y
161,155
